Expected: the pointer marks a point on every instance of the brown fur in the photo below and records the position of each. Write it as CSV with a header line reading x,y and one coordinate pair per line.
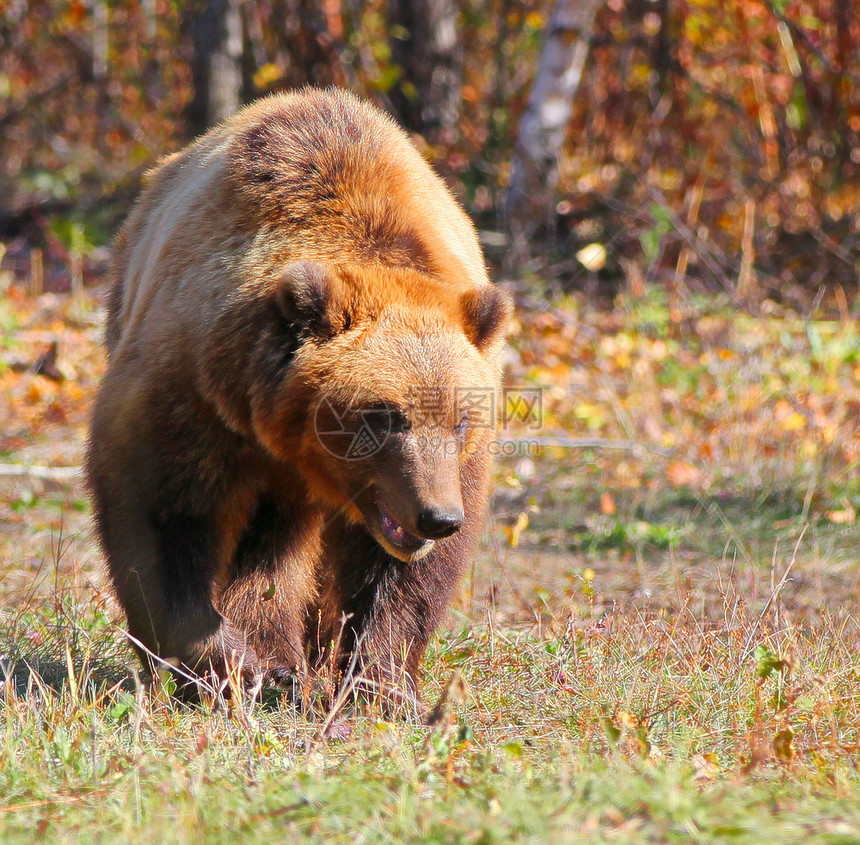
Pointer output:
x,y
299,260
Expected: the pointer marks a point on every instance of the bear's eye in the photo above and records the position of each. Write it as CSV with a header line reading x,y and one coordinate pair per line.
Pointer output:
x,y
387,419
463,425
378,416
400,423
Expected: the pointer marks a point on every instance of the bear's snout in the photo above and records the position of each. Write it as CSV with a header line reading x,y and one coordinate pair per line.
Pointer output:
x,y
436,523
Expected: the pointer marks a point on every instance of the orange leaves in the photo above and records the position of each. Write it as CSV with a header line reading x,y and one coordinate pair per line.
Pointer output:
x,y
721,390
266,76
847,515
33,405
513,532
783,745
607,504
793,422
681,474
32,402
40,391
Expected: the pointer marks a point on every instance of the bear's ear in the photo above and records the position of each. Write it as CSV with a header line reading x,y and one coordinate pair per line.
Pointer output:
x,y
310,295
487,312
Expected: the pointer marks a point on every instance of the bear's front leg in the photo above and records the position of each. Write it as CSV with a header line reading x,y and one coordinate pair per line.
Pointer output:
x,y
160,476
272,584
178,623
161,549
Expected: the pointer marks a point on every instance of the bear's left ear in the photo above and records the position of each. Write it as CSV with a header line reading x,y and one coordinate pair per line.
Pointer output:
x,y
311,295
487,312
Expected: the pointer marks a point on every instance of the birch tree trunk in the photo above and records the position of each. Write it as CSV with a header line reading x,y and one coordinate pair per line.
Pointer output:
x,y
534,167
215,27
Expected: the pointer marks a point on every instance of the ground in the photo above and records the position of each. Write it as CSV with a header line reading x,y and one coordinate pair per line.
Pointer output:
x,y
658,641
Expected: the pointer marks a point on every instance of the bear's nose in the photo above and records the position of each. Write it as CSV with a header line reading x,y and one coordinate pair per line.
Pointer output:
x,y
436,523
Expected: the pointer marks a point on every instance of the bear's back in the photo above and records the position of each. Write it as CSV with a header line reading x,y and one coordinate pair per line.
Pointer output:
x,y
336,175
313,175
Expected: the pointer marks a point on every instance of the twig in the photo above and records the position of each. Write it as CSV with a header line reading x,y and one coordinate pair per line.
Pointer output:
x,y
588,443
708,254
803,35
342,697
48,802
774,593
178,670
44,473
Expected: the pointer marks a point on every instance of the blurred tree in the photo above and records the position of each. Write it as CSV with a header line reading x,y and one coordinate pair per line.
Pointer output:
x,y
545,121
426,47
215,30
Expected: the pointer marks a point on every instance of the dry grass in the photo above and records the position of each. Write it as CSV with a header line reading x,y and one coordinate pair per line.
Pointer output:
x,y
640,725
654,646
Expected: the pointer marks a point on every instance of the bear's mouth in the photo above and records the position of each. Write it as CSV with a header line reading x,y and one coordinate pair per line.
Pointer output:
x,y
398,540
395,533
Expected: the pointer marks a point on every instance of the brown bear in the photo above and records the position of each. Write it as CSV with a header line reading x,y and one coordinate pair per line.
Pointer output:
x,y
288,455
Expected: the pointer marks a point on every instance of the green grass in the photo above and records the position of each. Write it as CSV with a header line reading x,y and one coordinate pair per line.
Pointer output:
x,y
635,727
689,522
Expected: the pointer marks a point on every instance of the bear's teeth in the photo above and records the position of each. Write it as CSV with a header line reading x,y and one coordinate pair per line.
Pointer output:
x,y
395,533
393,529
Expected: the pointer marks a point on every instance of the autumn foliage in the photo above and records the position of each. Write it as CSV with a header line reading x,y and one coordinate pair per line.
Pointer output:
x,y
713,145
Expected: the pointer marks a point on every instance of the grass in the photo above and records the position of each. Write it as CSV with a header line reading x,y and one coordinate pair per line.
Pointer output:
x,y
656,644
642,728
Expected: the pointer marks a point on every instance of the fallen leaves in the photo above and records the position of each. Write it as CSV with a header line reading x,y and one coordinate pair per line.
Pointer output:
x,y
592,257
846,516
50,364
513,532
725,391
783,745
607,503
681,474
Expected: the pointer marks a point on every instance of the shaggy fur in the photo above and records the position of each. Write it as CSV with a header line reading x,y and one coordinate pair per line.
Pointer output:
x,y
298,267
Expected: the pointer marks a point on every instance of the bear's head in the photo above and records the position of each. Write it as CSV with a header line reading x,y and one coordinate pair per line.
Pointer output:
x,y
390,390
